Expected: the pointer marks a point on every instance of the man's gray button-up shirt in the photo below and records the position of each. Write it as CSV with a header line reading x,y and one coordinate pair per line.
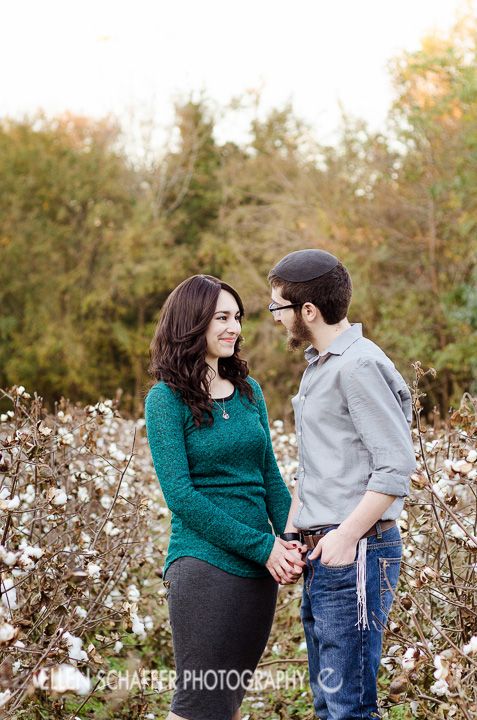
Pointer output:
x,y
353,415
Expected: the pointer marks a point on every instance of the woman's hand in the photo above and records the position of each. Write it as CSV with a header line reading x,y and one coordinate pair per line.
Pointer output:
x,y
284,562
302,549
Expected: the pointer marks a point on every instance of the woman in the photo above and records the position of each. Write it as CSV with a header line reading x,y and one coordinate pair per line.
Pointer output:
x,y
208,431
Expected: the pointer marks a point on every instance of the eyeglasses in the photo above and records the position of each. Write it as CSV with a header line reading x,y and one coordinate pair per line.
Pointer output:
x,y
273,307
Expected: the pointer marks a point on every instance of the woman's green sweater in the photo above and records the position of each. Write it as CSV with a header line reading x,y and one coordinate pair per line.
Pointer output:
x,y
221,483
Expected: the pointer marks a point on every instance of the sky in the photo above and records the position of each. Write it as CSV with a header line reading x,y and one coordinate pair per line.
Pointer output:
x,y
134,58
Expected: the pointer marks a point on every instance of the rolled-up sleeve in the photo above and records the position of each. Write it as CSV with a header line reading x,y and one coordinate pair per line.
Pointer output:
x,y
379,404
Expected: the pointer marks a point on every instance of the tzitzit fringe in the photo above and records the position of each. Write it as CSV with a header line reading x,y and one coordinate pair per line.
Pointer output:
x,y
361,585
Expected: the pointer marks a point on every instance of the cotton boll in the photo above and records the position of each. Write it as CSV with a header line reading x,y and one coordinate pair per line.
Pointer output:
x,y
31,550
28,497
57,496
65,677
442,668
7,632
110,530
7,557
12,504
82,494
44,430
393,650
9,593
40,679
471,647
106,501
74,647
440,688
148,622
28,556
388,663
93,570
411,656
137,625
5,697
85,539
457,532
65,437
133,593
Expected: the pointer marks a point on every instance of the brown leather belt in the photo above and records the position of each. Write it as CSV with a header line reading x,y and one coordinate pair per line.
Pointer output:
x,y
312,537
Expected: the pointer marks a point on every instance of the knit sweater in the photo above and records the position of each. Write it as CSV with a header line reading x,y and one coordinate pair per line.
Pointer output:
x,y
221,483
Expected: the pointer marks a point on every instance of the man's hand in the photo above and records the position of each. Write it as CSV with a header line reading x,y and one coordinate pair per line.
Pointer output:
x,y
284,562
336,548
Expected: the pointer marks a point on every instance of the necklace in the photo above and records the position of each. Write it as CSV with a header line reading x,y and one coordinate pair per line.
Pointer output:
x,y
225,414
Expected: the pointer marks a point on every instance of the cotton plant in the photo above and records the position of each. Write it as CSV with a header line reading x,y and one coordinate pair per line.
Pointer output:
x,y
74,501
102,550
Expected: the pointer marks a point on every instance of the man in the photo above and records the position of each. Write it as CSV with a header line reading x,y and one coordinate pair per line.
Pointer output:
x,y
353,417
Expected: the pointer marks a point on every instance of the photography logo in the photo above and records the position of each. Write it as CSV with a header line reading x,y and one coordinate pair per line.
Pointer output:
x,y
323,676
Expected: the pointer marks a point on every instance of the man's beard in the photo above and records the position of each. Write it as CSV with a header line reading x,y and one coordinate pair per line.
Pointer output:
x,y
299,334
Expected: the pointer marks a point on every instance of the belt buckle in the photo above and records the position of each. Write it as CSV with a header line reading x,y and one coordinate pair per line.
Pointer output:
x,y
310,539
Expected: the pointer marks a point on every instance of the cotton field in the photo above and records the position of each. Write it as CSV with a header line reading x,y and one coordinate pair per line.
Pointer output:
x,y
83,535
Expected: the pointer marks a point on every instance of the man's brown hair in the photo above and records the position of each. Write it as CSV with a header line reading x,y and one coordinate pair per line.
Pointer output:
x,y
330,293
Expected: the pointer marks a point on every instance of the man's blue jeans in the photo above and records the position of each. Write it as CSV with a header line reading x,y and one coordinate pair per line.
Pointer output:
x,y
344,659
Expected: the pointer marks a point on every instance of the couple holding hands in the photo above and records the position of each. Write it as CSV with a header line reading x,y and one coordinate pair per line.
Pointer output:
x,y
236,533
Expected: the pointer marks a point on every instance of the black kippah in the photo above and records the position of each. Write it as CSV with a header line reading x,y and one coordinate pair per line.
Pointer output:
x,y
303,265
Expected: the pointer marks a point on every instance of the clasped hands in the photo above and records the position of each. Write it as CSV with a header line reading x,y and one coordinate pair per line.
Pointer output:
x,y
286,563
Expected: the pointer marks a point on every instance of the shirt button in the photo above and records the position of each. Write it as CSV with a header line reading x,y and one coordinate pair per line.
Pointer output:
x,y
302,398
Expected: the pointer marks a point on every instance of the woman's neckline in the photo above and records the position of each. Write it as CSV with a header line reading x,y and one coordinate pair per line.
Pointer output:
x,y
229,397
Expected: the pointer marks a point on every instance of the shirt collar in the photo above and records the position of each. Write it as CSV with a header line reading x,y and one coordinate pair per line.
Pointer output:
x,y
339,344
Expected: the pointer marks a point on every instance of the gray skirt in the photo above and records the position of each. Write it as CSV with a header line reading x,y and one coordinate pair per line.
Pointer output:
x,y
220,626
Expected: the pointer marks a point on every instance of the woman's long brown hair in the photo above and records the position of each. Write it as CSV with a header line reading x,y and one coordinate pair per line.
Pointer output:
x,y
178,350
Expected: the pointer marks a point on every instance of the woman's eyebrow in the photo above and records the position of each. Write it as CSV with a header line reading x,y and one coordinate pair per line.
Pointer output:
x,y
226,312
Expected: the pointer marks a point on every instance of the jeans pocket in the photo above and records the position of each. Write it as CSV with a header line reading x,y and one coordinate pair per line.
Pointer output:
x,y
389,569
339,567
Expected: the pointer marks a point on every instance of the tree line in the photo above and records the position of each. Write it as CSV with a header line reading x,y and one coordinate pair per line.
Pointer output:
x,y
92,242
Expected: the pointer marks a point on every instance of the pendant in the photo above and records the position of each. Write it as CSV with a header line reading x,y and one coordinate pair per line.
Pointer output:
x,y
225,416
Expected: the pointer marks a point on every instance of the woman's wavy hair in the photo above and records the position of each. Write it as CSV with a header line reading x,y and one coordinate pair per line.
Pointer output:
x,y
178,350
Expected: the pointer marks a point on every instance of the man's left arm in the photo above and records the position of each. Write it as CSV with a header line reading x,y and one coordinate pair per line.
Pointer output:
x,y
382,420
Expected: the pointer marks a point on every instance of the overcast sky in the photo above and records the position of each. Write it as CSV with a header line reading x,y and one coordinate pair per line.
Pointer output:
x,y
96,57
